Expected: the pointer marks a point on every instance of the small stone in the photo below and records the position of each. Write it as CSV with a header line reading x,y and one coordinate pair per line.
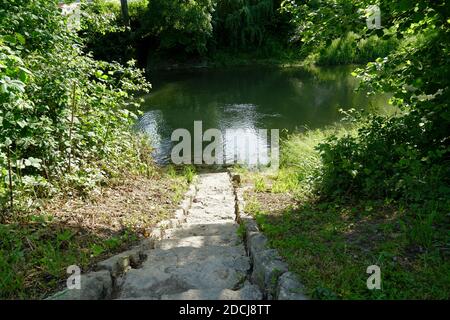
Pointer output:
x,y
156,233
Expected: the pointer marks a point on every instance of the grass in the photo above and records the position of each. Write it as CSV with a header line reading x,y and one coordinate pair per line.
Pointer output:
x,y
300,161
351,49
260,184
35,253
241,231
37,247
330,244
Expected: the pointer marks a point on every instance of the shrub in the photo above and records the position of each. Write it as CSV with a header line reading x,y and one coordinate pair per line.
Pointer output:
x,y
384,159
180,24
64,116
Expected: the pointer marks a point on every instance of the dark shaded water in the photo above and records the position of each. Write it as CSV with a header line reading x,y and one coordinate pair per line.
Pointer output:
x,y
249,98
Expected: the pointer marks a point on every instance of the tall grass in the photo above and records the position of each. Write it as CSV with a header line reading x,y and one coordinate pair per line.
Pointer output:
x,y
300,163
354,49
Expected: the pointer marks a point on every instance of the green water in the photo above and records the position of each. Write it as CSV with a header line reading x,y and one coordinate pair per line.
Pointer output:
x,y
249,98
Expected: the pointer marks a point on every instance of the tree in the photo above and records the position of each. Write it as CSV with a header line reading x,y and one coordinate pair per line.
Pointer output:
x,y
125,16
181,24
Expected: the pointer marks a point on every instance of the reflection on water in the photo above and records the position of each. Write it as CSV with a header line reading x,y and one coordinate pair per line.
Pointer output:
x,y
248,98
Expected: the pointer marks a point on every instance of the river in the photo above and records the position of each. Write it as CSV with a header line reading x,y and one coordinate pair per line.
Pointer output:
x,y
249,98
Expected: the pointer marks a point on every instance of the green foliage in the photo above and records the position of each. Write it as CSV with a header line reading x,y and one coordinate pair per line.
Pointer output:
x,y
189,173
243,23
183,29
404,156
330,244
180,24
374,47
318,22
186,172
300,162
335,31
104,33
100,17
384,159
35,254
353,49
64,118
241,231
260,184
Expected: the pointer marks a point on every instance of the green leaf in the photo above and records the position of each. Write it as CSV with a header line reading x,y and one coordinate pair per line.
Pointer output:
x,y
10,39
22,123
21,38
96,250
23,76
33,162
8,142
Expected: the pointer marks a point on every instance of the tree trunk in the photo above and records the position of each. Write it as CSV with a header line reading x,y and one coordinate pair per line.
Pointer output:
x,y
125,16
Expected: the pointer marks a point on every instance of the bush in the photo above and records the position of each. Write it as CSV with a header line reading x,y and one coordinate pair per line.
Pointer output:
x,y
180,24
104,33
64,116
403,156
385,159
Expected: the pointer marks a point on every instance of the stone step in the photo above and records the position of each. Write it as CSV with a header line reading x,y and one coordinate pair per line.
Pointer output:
x,y
214,210
183,268
225,228
210,217
205,220
199,241
201,204
248,292
201,258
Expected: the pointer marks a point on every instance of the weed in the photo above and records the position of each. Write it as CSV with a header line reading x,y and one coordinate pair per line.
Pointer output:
x,y
260,184
241,231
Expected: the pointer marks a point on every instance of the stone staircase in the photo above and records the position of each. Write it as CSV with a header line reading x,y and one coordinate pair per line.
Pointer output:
x,y
197,256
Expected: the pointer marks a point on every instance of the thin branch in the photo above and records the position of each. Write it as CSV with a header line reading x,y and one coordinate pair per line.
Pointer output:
x,y
11,196
74,105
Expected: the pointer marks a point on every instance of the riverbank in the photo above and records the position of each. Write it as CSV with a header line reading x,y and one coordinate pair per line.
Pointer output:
x,y
224,59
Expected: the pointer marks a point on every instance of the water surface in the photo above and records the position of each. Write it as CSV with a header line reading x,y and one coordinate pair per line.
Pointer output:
x,y
250,98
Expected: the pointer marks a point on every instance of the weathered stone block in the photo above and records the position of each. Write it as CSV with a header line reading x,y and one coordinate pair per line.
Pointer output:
x,y
256,243
94,286
289,288
248,292
267,268
120,263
